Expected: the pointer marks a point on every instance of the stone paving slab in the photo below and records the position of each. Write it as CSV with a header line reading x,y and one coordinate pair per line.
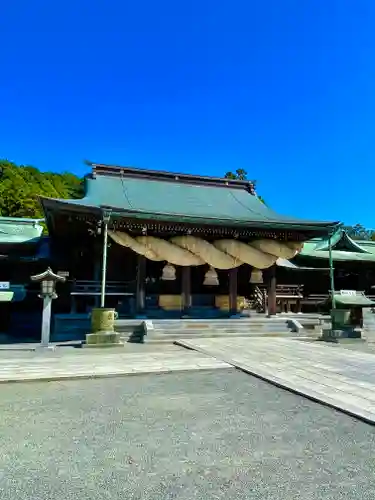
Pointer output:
x,y
73,365
336,377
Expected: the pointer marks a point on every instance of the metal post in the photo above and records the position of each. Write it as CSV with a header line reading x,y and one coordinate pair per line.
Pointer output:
x,y
106,217
331,273
97,270
331,336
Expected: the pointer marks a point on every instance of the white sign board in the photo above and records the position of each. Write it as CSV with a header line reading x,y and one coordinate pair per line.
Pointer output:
x,y
4,285
348,292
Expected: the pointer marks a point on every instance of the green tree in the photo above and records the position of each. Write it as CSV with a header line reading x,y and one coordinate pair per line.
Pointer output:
x,y
241,175
359,232
20,187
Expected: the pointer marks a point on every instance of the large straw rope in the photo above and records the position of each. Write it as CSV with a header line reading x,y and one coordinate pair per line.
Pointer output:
x,y
221,254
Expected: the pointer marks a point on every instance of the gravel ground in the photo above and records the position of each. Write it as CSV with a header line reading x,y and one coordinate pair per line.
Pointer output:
x,y
210,435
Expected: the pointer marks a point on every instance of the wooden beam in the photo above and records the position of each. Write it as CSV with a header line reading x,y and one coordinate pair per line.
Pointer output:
x,y
140,296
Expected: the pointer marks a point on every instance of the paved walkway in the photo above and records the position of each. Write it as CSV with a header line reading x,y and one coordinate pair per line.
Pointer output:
x,y
329,374
88,363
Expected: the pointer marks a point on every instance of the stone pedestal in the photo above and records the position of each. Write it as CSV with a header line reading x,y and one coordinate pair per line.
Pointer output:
x,y
329,335
102,329
103,339
45,349
338,334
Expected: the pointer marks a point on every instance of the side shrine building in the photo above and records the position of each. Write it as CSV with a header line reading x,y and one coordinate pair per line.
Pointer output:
x,y
178,244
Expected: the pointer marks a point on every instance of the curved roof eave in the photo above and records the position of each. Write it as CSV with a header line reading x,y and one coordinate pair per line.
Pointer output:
x,y
341,235
85,205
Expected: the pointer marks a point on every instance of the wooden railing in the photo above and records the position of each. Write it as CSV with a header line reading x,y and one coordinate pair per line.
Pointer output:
x,y
289,291
315,298
93,288
259,302
82,293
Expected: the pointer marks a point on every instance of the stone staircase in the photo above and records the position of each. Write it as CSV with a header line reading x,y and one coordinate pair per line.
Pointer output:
x,y
206,312
170,330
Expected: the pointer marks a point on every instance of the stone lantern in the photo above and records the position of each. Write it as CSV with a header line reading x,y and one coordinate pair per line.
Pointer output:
x,y
48,281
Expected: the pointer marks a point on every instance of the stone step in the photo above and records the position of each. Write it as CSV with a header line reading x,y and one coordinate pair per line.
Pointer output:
x,y
244,328
240,319
151,338
214,323
215,333
133,329
266,328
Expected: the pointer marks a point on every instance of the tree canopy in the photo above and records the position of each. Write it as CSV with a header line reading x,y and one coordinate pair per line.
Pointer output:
x,y
21,185
240,174
359,232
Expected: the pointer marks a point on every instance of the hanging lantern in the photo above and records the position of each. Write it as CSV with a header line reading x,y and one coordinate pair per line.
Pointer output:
x,y
169,273
210,278
256,276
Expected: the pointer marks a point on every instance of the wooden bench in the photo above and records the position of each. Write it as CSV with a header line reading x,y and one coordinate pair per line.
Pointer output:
x,y
288,296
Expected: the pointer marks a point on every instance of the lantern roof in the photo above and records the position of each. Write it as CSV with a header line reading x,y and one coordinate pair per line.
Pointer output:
x,y
48,275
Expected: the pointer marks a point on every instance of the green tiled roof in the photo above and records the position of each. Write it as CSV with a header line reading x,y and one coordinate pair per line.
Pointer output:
x,y
6,296
178,197
340,255
359,300
350,250
287,264
18,230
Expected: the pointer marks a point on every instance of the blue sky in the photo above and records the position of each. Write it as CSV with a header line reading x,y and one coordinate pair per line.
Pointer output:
x,y
284,89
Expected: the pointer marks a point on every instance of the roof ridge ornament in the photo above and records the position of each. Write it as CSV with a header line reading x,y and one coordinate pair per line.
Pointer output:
x,y
129,171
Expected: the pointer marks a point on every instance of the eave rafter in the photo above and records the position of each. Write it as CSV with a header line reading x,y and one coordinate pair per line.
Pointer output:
x,y
138,226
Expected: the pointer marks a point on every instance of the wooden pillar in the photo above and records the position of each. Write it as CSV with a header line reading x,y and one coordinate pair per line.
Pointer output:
x,y
140,297
233,279
272,292
186,290
298,306
73,304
